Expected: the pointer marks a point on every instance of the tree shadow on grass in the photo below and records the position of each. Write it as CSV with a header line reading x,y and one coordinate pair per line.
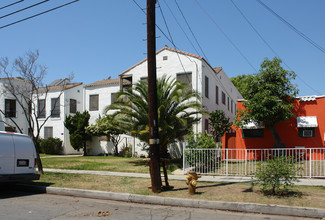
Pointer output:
x,y
201,187
285,194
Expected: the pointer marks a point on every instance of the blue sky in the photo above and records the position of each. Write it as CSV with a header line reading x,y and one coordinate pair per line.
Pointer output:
x,y
96,39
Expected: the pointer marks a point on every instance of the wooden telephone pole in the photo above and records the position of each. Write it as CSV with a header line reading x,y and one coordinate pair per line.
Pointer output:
x,y
152,98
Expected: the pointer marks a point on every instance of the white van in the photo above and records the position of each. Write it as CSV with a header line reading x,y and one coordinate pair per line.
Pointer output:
x,y
17,158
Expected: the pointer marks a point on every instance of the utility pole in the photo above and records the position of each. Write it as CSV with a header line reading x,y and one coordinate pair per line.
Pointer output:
x,y
152,98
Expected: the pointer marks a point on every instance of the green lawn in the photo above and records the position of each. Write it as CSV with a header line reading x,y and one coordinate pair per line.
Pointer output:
x,y
101,163
303,196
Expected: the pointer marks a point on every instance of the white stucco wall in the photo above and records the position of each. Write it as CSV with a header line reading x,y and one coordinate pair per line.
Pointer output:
x,y
95,146
104,99
20,118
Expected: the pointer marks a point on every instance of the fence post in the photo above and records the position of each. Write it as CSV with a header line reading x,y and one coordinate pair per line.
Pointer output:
x,y
245,162
226,162
309,162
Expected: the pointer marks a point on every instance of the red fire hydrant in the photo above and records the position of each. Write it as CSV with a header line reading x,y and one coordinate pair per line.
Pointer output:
x,y
191,181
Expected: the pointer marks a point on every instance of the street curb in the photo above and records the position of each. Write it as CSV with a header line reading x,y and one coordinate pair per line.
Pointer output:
x,y
190,203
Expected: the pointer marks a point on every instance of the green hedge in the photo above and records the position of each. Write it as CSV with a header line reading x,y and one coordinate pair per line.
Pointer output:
x,y
51,145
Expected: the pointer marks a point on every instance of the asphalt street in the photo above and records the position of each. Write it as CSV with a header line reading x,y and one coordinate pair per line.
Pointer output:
x,y
16,204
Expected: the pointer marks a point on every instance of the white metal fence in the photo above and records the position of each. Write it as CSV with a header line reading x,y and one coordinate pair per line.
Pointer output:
x,y
244,162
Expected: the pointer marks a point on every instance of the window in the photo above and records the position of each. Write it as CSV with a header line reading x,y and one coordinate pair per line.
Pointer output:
x,y
232,106
223,98
113,97
184,78
30,108
306,132
165,57
253,133
10,108
10,129
55,107
48,132
73,106
206,125
93,103
217,95
41,108
206,86
144,79
228,103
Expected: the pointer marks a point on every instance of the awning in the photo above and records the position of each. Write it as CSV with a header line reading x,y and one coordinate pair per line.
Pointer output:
x,y
307,122
253,125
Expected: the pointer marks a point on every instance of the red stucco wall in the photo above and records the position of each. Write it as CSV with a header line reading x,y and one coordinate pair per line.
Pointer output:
x,y
288,130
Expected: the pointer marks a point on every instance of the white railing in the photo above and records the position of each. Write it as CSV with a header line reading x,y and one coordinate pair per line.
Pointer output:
x,y
244,162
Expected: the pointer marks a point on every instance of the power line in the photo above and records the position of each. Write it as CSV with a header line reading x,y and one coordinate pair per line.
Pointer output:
x,y
187,56
11,4
181,27
226,36
171,36
189,27
269,46
23,9
33,16
292,27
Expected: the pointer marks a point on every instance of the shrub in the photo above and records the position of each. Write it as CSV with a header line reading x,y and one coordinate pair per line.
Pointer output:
x,y
126,151
276,175
51,145
204,159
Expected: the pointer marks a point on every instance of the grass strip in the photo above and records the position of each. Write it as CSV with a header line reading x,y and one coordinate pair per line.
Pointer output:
x,y
303,196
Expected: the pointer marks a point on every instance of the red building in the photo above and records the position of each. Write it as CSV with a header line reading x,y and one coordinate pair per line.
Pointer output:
x,y
305,130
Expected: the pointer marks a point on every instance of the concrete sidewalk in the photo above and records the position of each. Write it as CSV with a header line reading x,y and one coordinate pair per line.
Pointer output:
x,y
233,179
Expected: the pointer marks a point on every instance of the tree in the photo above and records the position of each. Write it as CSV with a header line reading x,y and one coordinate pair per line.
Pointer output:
x,y
24,82
108,127
219,124
77,124
270,97
242,83
177,110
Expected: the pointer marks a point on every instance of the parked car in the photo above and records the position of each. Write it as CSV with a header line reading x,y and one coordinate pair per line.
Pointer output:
x,y
17,158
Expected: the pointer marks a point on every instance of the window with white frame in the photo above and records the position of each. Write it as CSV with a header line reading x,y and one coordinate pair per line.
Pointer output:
x,y
206,80
217,95
41,113
48,132
185,78
223,98
10,108
93,102
73,106
55,107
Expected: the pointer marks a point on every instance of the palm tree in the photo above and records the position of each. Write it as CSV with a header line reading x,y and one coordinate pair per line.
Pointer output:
x,y
178,107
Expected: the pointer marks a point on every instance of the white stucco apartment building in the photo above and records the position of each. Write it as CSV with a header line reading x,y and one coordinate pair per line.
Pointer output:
x,y
217,92
54,103
216,89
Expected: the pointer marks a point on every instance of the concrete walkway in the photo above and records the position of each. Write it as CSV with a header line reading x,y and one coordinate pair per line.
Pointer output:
x,y
233,179
194,203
